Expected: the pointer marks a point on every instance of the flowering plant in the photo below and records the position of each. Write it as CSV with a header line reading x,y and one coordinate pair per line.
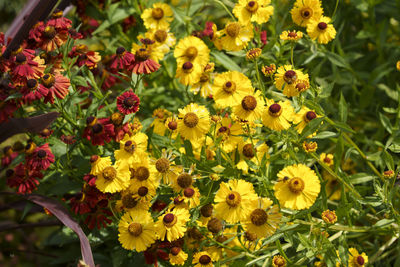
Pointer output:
x,y
208,133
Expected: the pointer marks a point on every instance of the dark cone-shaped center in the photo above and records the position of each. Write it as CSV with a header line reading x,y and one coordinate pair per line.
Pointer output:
x,y
120,50
42,154
214,225
275,110
249,151
249,103
191,119
97,128
31,83
204,259
175,250
142,173
157,13
206,210
258,217
142,191
188,192
296,185
129,201
184,180
310,115
233,29
322,26
162,165
135,229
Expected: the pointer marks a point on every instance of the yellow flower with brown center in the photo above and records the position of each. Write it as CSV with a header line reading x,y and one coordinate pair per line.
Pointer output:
x,y
268,70
321,30
158,16
303,117
234,200
132,149
278,261
167,171
235,36
192,49
326,158
291,36
230,88
112,178
310,146
258,11
277,116
306,10
356,259
188,73
194,122
253,53
250,108
230,133
136,231
172,225
297,188
329,216
287,78
204,85
177,256
202,259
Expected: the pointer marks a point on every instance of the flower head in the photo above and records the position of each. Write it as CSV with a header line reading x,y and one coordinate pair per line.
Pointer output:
x,y
172,225
157,17
321,29
306,10
258,11
128,102
194,121
356,259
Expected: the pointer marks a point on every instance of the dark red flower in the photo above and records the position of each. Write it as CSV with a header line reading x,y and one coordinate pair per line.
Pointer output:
x,y
90,179
46,133
36,32
128,102
26,68
7,108
53,38
24,179
263,37
33,90
110,79
99,131
68,139
100,217
41,158
158,206
208,30
8,156
58,21
143,63
123,60
57,85
85,56
154,253
128,23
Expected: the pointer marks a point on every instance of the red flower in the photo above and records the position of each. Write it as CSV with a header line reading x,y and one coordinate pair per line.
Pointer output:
x,y
46,133
110,79
24,179
85,57
26,68
90,180
52,38
41,158
68,139
36,32
209,31
101,217
120,130
128,102
7,108
57,85
58,21
143,63
8,157
123,60
99,131
33,90
153,253
263,37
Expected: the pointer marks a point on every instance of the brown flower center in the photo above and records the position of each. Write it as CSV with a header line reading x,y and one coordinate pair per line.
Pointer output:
x,y
191,53
249,103
97,128
322,26
117,118
169,220
172,125
20,58
142,173
204,259
135,229
184,180
188,192
214,225
252,6
249,151
250,236
290,76
191,120
279,261
142,191
32,84
187,67
41,154
204,78
292,34
206,210
48,80
229,87
50,32
162,165
157,13
275,110
160,36
221,239
259,217
120,50
301,86
359,260
310,115
306,13
130,146
175,250
233,29
194,233
233,199
142,54
128,201
129,102
109,173
296,185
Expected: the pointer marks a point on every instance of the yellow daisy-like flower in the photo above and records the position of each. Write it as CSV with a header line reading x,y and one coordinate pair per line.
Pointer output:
x,y
304,116
143,173
230,132
329,216
297,188
291,36
264,219
202,259
251,107
235,36
112,179
194,121
148,51
172,225
177,256
132,149
310,146
321,30
268,70
277,116
326,158
160,115
163,38
234,200
167,171
98,164
136,232
278,261
287,78
204,86
188,73
306,10
131,201
230,88
356,259
144,193
253,53
258,11
192,49
191,196
157,17
183,180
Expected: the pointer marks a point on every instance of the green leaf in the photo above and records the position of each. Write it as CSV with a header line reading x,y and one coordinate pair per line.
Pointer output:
x,y
342,108
325,135
311,127
225,61
337,60
360,178
385,122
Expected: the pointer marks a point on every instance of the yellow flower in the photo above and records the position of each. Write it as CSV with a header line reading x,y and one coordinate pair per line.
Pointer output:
x,y
164,38
230,88
230,133
398,65
250,108
192,49
258,11
150,51
253,53
310,146
172,225
291,35
305,10
194,121
132,149
287,78
268,70
132,202
204,85
177,256
278,261
191,196
326,158
277,116
264,219
188,73
388,174
183,180
297,188
166,169
356,259
202,259
322,30
98,164
304,116
249,152
234,200
235,36
329,216
157,17
136,232
112,179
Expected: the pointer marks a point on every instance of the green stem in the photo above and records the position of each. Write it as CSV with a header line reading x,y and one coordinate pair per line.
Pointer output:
x,y
262,88
291,53
225,7
336,6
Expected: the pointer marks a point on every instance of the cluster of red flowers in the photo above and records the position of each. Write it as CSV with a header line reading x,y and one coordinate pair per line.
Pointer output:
x,y
24,177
